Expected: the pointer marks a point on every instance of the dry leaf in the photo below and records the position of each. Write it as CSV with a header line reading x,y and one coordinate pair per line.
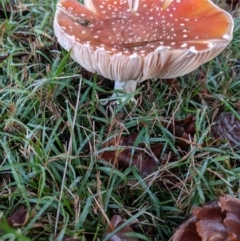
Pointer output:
x,y
228,127
120,235
184,130
19,218
145,159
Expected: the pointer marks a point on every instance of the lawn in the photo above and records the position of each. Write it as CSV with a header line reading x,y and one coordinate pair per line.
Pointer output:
x,y
55,131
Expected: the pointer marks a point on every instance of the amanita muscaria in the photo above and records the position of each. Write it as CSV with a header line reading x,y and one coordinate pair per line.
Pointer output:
x,y
130,41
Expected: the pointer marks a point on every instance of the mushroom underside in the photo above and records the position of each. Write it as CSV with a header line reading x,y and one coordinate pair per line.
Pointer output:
x,y
131,41
163,63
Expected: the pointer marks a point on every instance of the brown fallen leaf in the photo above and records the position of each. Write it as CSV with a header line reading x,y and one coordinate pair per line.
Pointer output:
x,y
19,217
145,159
121,235
183,130
227,127
24,37
172,83
215,221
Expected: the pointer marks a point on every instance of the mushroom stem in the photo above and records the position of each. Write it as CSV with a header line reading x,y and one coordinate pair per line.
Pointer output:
x,y
126,87
166,4
133,5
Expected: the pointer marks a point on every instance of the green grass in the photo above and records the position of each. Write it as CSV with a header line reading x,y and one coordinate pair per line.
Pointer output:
x,y
53,125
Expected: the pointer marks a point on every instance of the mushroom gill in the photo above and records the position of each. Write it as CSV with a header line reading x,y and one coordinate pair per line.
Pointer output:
x,y
134,40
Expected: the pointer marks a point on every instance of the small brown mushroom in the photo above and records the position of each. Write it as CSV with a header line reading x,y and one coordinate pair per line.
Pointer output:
x,y
130,41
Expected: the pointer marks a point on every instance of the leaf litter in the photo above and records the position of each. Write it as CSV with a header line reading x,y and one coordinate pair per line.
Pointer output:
x,y
125,153
227,127
123,234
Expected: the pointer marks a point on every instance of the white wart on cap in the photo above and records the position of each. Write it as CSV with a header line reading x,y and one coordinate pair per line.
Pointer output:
x,y
107,37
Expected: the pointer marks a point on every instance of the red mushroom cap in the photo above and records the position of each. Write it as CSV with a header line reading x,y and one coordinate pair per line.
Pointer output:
x,y
163,38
